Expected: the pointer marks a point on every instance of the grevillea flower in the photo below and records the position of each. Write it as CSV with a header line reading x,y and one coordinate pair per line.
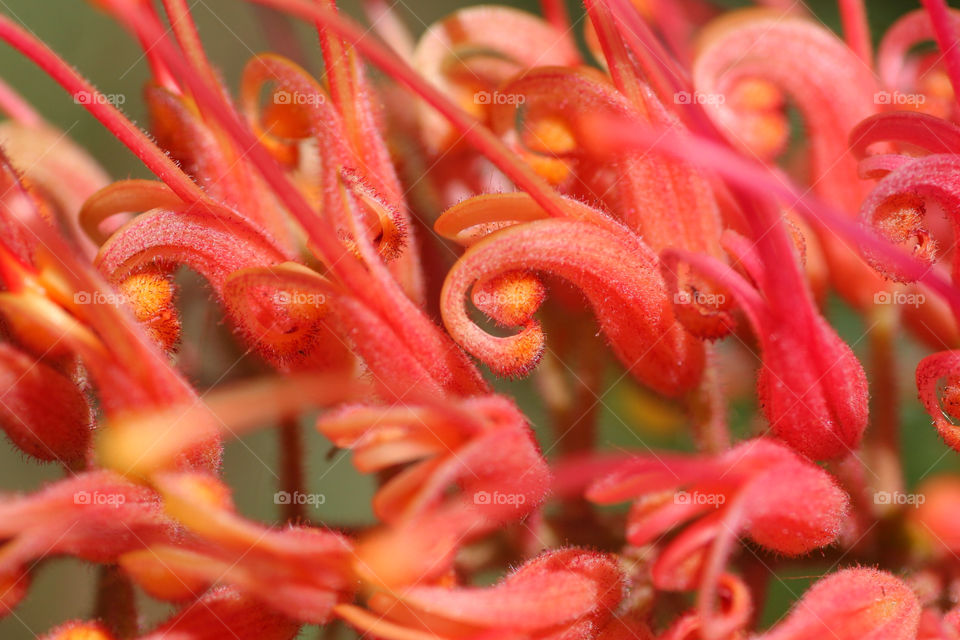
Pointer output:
x,y
943,408
616,271
566,593
747,490
445,445
218,614
666,187
854,603
299,571
97,516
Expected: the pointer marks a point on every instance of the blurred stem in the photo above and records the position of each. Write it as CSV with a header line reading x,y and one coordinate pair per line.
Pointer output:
x,y
707,405
291,467
555,12
856,29
571,392
854,477
884,436
116,604
756,574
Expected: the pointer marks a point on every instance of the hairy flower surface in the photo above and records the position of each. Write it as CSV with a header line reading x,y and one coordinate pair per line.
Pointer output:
x,y
710,240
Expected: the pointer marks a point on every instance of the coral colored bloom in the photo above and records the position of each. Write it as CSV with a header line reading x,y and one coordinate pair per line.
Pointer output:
x,y
853,604
633,203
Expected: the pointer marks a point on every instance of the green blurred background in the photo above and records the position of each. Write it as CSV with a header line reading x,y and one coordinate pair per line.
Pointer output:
x,y
232,32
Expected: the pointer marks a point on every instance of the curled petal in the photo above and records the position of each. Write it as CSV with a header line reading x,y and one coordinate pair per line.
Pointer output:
x,y
618,276
140,257
930,371
468,54
926,132
831,87
302,108
833,91
897,205
853,604
644,190
282,311
126,196
213,241
916,76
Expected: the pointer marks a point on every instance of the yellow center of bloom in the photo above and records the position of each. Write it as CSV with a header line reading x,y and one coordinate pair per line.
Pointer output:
x,y
150,294
547,136
83,633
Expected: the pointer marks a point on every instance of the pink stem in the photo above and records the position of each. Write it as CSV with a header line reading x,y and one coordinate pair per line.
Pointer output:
x,y
665,75
555,12
621,67
946,40
97,104
646,44
765,182
185,30
856,29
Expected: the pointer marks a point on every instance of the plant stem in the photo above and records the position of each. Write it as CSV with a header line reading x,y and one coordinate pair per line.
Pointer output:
x,y
116,604
291,467
856,29
884,436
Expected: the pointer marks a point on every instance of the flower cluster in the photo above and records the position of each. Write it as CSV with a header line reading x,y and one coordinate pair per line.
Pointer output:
x,y
500,200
